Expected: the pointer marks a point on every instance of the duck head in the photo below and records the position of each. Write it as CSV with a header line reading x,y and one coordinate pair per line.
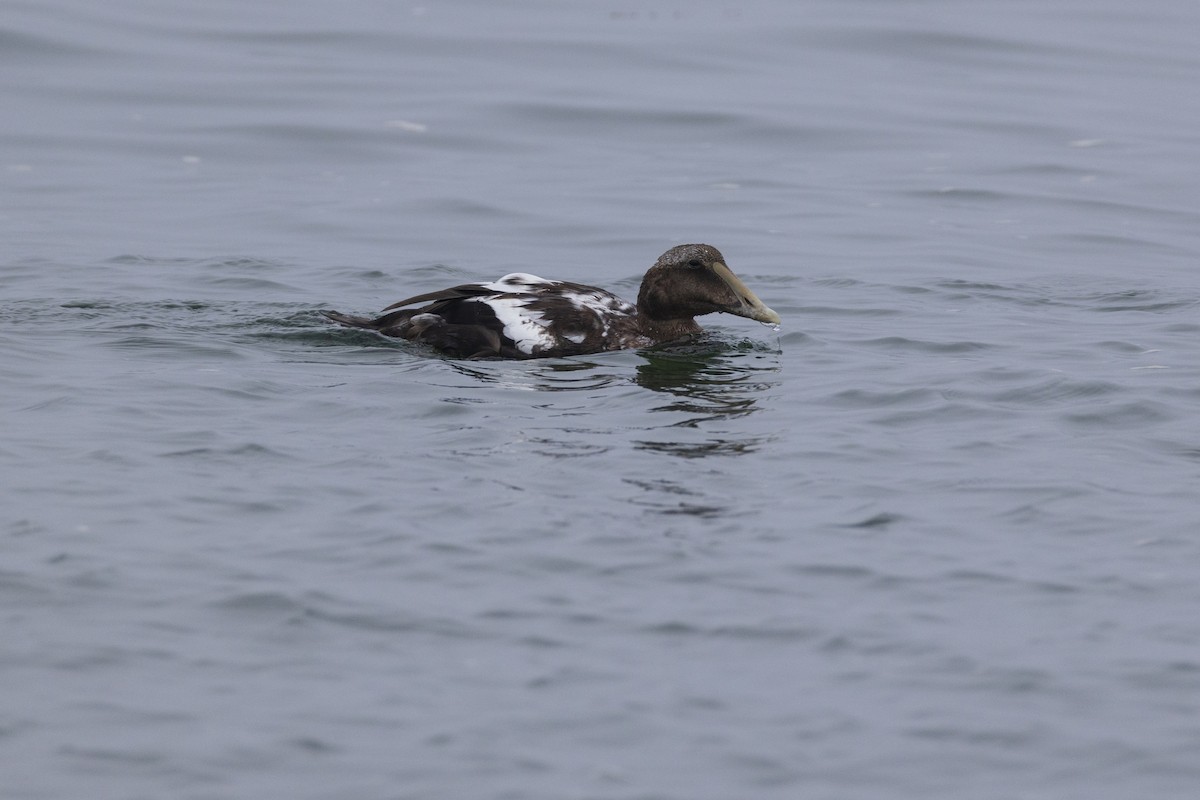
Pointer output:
x,y
693,279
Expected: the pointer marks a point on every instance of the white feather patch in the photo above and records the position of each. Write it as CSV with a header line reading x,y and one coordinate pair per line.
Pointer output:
x,y
526,330
516,282
599,302
602,305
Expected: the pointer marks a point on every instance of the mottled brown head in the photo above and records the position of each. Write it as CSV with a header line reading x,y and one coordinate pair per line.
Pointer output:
x,y
692,279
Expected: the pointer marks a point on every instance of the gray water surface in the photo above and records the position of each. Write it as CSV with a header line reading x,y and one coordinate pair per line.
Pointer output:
x,y
936,538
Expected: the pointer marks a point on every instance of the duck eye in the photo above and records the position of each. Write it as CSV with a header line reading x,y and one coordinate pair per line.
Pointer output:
x,y
695,263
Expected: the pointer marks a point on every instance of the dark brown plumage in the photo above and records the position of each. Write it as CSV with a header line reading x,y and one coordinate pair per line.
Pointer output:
x,y
524,316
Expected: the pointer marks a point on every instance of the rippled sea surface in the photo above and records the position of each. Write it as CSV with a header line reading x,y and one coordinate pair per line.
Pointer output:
x,y
935,538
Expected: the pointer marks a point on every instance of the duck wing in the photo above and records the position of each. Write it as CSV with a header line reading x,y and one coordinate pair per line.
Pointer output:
x,y
452,294
457,321
517,316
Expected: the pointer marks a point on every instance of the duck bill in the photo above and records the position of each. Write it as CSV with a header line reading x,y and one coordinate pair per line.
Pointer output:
x,y
748,303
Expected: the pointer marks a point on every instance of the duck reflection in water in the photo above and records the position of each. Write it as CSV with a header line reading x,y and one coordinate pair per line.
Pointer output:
x,y
711,382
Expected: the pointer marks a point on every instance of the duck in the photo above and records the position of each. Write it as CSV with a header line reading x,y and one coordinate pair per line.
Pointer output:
x,y
522,316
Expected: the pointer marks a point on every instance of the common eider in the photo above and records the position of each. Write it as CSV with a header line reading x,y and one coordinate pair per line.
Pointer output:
x,y
524,316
